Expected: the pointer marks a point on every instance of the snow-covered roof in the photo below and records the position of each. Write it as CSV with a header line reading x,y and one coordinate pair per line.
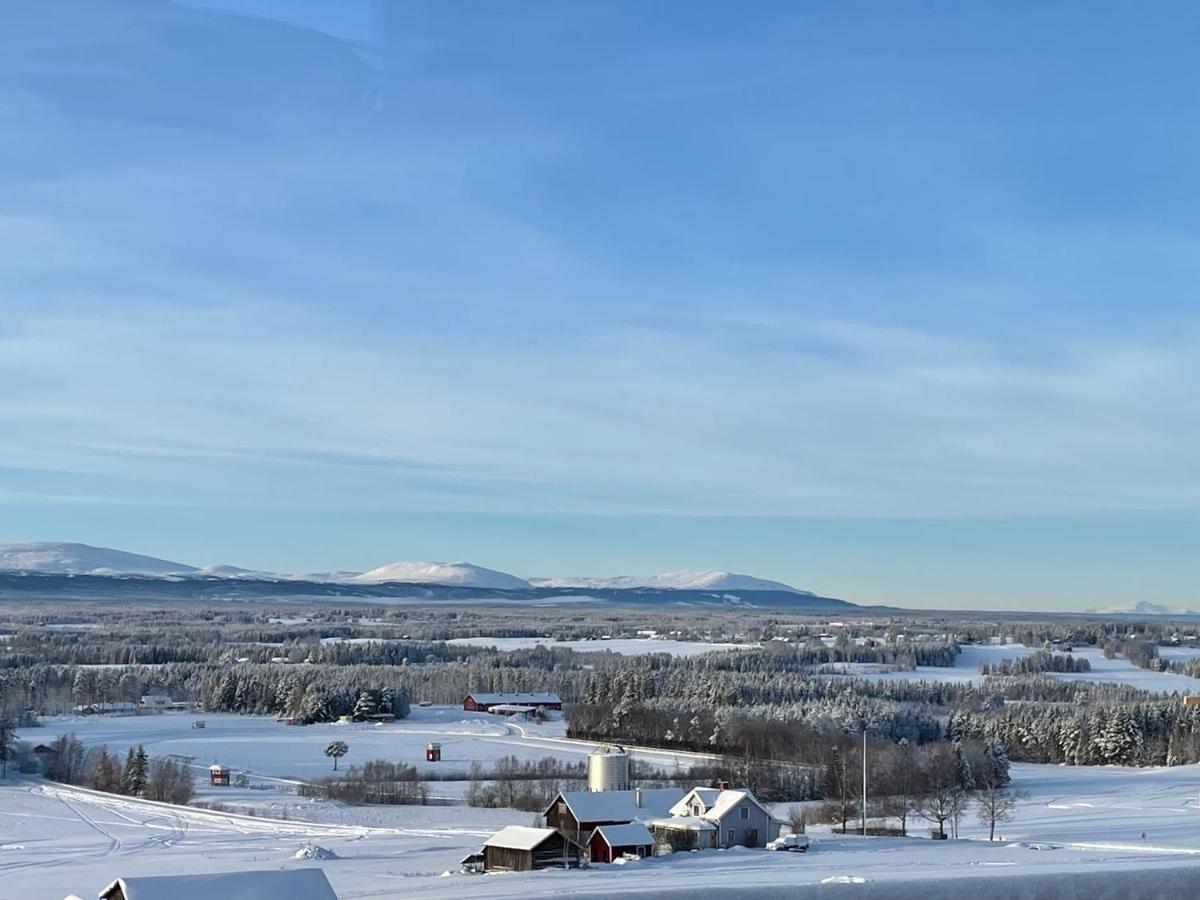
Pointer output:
x,y
632,835
515,698
295,884
620,806
519,837
684,823
717,804
706,796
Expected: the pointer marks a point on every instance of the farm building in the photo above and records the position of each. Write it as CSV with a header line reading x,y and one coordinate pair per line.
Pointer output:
x,y
294,884
611,842
485,702
518,848
716,817
578,813
160,703
218,775
100,709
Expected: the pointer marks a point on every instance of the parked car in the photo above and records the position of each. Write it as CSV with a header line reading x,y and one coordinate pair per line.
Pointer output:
x,y
796,842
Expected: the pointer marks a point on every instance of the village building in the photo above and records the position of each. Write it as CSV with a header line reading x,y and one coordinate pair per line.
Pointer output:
x,y
477,702
611,842
578,813
716,817
160,703
518,848
218,775
106,708
294,884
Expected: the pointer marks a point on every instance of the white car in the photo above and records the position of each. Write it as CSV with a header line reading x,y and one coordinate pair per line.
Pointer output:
x,y
796,842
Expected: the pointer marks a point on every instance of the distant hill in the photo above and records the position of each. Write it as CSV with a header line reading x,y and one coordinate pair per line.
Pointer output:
x,y
1143,608
211,589
460,574
716,580
80,571
83,559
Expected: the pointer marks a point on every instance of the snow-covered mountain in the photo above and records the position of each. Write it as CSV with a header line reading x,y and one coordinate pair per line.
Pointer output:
x,y
83,559
1143,608
716,580
461,574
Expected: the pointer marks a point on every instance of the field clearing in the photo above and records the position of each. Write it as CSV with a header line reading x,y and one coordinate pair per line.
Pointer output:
x,y
1114,671
265,748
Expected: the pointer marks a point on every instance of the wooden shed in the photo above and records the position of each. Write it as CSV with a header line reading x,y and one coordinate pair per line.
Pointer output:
x,y
519,848
218,775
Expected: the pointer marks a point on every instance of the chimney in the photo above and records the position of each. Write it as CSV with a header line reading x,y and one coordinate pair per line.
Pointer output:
x,y
722,785
637,797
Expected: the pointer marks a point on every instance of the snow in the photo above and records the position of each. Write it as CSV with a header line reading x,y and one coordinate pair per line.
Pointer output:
x,y
55,840
633,834
519,837
1115,671
613,806
623,646
297,884
460,573
716,580
82,559
270,751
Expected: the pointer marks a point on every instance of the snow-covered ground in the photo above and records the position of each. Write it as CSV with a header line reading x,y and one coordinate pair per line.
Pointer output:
x,y
269,750
624,646
1117,670
1084,825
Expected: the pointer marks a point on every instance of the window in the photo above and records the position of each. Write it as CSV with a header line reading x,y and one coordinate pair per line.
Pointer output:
x,y
745,813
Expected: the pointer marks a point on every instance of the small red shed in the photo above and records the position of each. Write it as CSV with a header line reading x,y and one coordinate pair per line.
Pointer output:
x,y
610,842
218,775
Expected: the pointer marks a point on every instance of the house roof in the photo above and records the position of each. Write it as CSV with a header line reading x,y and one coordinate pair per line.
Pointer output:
x,y
519,837
618,806
632,835
706,796
690,823
717,804
295,884
514,698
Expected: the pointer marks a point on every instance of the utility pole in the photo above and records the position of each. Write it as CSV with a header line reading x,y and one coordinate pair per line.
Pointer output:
x,y
864,793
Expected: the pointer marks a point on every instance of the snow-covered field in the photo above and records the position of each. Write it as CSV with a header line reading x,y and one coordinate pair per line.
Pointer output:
x,y
1117,671
624,646
1082,825
269,750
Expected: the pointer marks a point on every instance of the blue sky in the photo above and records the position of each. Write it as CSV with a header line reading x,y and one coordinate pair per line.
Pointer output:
x,y
890,301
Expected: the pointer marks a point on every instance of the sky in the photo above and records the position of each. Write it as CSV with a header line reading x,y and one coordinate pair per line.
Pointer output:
x,y
891,301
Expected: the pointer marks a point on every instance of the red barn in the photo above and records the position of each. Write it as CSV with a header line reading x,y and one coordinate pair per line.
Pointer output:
x,y
476,702
218,776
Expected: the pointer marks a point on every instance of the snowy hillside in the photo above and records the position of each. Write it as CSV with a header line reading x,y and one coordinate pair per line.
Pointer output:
x,y
1143,608
82,559
460,573
680,581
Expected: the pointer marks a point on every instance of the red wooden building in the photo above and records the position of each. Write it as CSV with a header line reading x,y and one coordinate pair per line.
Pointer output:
x,y
611,842
477,702
218,775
